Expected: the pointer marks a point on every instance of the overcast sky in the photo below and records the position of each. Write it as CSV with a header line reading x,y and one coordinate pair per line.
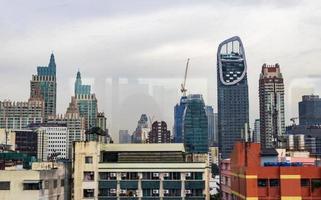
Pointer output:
x,y
148,42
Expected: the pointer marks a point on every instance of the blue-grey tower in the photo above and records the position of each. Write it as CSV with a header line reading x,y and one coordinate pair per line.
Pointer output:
x,y
44,82
195,125
232,92
178,119
87,102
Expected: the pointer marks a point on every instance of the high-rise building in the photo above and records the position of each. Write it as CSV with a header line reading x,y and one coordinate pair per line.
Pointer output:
x,y
159,133
124,137
233,100
75,123
101,121
271,92
256,131
87,102
210,124
45,82
178,120
310,110
195,127
140,135
216,128
18,115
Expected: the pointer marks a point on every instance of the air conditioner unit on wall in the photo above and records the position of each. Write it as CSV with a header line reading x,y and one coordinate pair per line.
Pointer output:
x,y
155,191
188,192
166,174
155,174
166,191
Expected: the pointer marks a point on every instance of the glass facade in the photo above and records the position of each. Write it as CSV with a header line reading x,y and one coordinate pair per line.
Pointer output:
x,y
178,119
195,126
233,102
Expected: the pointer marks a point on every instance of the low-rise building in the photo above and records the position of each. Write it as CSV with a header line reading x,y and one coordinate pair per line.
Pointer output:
x,y
137,171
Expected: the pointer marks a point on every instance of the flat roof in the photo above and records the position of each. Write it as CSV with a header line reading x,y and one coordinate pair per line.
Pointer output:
x,y
144,147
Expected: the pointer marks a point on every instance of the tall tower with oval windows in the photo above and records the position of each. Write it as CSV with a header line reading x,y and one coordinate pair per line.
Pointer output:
x,y
232,94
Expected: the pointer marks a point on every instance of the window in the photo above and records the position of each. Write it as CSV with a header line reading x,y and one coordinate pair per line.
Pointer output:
x,y
89,176
315,183
261,182
305,182
4,185
32,185
274,182
47,184
62,183
89,193
55,183
88,159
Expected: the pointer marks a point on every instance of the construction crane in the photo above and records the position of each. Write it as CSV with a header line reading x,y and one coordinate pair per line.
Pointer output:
x,y
183,85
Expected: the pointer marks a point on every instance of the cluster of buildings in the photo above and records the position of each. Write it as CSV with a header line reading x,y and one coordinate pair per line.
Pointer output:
x,y
45,155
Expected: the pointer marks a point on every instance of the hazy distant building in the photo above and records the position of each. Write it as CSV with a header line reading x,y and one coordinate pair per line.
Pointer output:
x,y
87,102
310,110
101,121
18,115
271,94
159,133
178,120
195,125
256,131
140,135
124,137
45,82
210,124
232,92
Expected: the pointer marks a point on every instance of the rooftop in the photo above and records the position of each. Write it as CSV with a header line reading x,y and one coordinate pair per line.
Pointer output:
x,y
144,147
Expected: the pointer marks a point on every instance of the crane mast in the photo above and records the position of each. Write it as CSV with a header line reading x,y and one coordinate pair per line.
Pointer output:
x,y
183,85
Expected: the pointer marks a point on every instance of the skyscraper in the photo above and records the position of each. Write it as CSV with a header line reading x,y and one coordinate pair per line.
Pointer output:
x,y
159,133
140,135
195,128
256,131
271,92
178,119
210,123
310,110
124,137
87,102
45,82
233,101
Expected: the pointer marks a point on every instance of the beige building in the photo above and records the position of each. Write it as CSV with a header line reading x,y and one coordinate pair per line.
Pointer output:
x,y
137,171
42,181
7,139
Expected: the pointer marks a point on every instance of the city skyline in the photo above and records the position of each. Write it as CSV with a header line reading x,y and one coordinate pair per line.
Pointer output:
x,y
101,54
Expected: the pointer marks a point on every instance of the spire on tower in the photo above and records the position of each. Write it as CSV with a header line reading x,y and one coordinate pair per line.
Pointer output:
x,y
52,62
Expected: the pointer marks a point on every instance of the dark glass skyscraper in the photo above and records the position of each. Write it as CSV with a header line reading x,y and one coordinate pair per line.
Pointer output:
x,y
233,101
195,125
45,82
178,119
310,110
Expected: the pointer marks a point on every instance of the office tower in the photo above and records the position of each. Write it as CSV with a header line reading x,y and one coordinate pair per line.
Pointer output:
x,y
87,102
210,125
216,128
178,120
310,110
256,131
137,171
271,93
18,115
232,92
75,123
195,128
159,133
140,135
101,121
124,137
45,82
58,140
26,142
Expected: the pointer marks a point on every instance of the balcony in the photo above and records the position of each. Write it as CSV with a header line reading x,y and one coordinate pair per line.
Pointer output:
x,y
129,184
172,184
107,184
150,184
107,198
172,198
189,185
150,198
194,198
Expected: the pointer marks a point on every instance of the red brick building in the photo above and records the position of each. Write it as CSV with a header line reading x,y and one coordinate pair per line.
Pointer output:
x,y
252,179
